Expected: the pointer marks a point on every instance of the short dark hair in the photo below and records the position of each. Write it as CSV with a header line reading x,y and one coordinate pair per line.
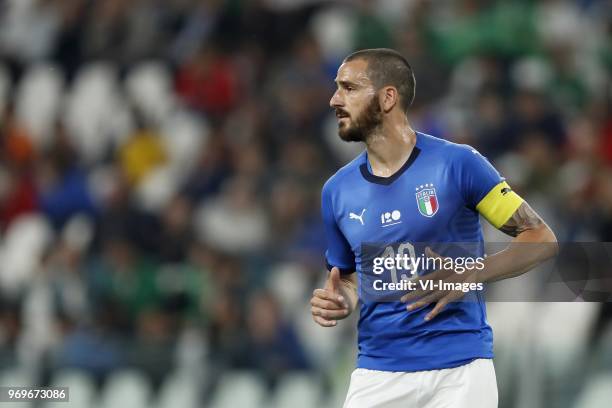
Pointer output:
x,y
388,67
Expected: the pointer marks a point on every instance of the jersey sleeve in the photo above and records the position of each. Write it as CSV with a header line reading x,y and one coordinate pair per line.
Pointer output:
x,y
484,189
339,252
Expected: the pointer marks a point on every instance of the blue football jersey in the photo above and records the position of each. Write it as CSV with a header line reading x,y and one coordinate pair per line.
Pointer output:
x,y
435,197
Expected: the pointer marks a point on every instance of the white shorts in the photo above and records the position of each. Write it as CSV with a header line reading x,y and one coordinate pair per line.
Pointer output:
x,y
469,386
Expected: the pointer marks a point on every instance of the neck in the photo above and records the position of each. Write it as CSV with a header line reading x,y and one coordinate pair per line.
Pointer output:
x,y
390,146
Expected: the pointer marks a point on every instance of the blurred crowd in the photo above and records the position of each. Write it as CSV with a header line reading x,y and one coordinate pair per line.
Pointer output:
x,y
161,161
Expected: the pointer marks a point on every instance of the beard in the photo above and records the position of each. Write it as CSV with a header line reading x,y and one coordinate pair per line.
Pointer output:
x,y
364,125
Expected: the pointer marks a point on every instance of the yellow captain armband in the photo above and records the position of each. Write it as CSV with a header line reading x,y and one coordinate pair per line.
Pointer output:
x,y
499,204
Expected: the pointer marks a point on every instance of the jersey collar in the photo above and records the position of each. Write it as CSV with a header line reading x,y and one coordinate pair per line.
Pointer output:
x,y
367,174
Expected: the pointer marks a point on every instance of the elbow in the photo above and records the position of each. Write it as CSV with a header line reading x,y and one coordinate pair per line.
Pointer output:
x,y
543,238
549,239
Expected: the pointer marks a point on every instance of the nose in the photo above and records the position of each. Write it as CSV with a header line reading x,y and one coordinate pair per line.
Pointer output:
x,y
335,100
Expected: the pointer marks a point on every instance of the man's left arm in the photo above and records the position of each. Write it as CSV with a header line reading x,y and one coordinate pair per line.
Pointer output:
x,y
527,227
534,242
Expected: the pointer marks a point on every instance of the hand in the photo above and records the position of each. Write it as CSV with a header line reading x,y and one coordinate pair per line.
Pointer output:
x,y
424,297
328,304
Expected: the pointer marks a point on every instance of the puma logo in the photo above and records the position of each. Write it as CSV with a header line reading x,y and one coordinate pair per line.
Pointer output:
x,y
354,216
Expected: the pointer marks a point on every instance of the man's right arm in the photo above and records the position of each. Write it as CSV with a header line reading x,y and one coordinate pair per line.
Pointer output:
x,y
339,296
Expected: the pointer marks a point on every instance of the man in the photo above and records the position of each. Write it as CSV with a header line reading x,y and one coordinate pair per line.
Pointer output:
x,y
427,351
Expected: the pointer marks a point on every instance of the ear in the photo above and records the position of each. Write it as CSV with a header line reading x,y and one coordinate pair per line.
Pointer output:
x,y
388,98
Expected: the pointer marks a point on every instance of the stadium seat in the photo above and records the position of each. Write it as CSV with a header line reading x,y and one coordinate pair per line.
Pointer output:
x,y
345,152
563,330
228,227
38,98
333,28
184,135
297,391
179,391
543,343
82,390
288,282
337,396
95,112
78,232
466,78
23,246
15,376
597,393
239,389
321,343
103,181
509,321
157,188
531,73
20,6
512,324
126,389
5,86
149,87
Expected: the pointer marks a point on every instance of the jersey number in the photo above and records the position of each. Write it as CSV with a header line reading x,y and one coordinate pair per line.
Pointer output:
x,y
409,271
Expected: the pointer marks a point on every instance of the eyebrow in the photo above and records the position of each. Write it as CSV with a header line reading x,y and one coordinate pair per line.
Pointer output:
x,y
345,83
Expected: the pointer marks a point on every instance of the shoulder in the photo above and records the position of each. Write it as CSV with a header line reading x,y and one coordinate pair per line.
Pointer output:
x,y
444,152
344,175
463,160
451,150
465,155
